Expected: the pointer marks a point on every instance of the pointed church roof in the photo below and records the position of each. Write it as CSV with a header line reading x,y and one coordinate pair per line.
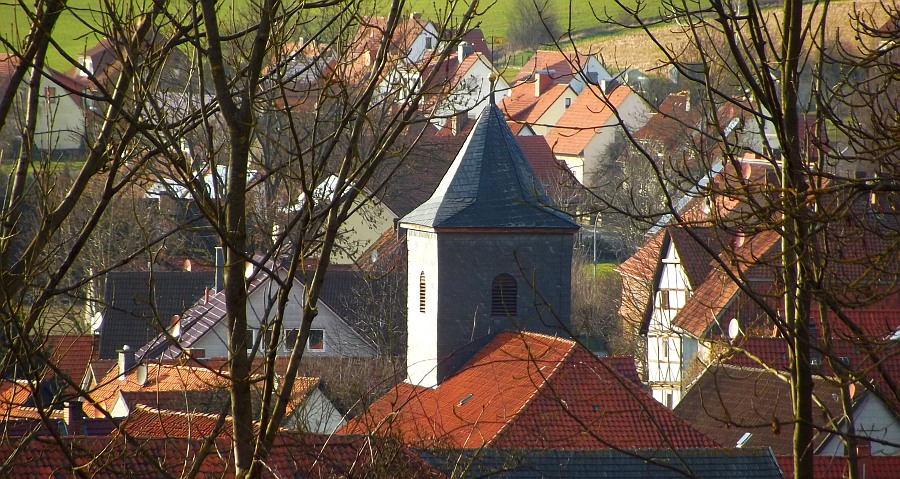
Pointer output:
x,y
489,185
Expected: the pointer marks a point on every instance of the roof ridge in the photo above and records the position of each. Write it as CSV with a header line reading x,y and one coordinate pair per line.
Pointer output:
x,y
172,412
546,379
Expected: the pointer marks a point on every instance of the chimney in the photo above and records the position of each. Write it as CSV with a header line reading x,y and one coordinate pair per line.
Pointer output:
x,y
604,85
463,50
220,268
687,101
542,79
73,415
863,448
126,361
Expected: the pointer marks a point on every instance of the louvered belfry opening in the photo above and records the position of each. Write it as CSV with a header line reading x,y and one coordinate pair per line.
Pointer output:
x,y
504,295
422,292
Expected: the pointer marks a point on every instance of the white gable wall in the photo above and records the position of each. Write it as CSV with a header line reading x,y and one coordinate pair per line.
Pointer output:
x,y
872,420
592,71
316,414
665,348
340,339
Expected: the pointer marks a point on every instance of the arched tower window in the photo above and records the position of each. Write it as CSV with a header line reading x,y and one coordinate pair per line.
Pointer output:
x,y
422,292
504,295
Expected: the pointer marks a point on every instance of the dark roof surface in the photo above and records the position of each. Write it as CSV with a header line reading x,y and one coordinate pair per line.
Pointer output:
x,y
726,402
489,185
138,301
632,463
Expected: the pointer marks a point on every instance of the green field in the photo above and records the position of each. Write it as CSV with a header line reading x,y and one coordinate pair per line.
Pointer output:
x,y
75,30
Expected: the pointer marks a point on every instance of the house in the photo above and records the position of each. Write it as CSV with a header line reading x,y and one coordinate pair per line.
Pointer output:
x,y
529,390
138,305
462,84
688,302
59,127
23,390
413,39
202,330
583,135
745,406
533,107
605,463
576,70
487,252
194,388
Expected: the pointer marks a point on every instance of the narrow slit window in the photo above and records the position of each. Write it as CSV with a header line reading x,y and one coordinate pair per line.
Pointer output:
x,y
422,292
504,296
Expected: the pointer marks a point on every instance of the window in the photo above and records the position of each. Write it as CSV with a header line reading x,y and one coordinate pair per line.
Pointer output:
x,y
422,292
316,340
504,295
664,302
568,102
251,338
290,338
429,42
50,94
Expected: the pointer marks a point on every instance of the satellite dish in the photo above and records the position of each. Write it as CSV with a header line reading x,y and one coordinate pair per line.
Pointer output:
x,y
142,374
734,329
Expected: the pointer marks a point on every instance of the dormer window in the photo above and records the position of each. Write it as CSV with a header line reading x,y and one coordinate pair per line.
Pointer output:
x,y
504,295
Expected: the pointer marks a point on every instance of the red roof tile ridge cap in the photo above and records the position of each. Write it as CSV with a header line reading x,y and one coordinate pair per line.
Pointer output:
x,y
172,412
546,379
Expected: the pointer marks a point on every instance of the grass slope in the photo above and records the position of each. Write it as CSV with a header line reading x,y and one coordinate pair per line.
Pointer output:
x,y
75,30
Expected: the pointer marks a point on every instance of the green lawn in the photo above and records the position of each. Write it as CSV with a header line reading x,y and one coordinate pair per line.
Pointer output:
x,y
74,31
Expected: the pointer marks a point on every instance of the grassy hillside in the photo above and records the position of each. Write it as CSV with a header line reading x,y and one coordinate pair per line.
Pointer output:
x,y
74,30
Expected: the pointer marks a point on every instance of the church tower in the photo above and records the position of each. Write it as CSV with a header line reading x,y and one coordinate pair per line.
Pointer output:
x,y
487,253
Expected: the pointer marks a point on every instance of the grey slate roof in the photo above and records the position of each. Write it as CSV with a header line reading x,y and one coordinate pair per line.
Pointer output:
x,y
134,310
752,463
489,185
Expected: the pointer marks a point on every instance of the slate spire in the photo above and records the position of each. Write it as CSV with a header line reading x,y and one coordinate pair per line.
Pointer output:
x,y
489,185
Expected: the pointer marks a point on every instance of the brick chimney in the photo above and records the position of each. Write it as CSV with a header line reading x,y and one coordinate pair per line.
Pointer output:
x,y
73,415
539,80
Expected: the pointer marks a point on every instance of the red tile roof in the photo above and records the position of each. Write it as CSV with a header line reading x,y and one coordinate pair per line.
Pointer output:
x,y
160,377
144,421
836,467
531,390
582,120
728,401
547,169
72,353
173,376
562,64
718,291
522,107
292,455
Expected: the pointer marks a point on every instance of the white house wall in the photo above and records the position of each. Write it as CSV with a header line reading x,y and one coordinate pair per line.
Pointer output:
x,y
666,349
421,356
872,420
592,71
317,414
340,340
60,121
554,113
420,44
633,113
